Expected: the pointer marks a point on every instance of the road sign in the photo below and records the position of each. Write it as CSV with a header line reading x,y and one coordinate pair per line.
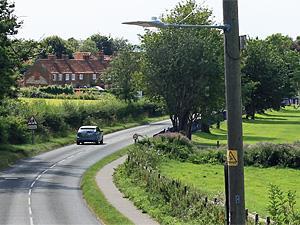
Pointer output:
x,y
32,124
232,158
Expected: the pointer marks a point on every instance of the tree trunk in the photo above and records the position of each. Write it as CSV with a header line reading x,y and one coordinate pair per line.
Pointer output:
x,y
205,128
218,125
182,124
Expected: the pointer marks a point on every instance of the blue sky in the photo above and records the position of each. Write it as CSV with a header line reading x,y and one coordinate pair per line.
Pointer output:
x,y
80,19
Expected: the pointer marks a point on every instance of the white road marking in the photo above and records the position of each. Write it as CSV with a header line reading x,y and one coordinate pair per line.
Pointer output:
x,y
32,184
37,178
11,178
52,166
31,221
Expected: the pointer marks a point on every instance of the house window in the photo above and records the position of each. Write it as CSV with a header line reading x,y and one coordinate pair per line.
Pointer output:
x,y
67,76
94,76
80,76
73,76
60,77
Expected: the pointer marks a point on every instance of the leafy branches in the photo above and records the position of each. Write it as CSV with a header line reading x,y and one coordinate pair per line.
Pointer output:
x,y
8,26
282,207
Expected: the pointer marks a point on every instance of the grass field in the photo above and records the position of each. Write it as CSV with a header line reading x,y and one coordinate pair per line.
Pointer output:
x,y
278,127
58,102
210,179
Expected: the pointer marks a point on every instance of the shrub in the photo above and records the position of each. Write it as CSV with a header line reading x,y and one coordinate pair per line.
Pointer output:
x,y
55,122
171,145
13,130
269,154
282,207
212,156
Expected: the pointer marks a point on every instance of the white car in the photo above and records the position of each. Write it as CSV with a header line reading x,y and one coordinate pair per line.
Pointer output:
x,y
89,134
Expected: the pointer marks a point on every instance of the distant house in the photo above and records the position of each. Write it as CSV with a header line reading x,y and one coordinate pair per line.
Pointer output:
x,y
84,70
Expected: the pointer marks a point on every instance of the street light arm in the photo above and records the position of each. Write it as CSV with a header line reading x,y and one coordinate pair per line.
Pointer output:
x,y
153,23
159,24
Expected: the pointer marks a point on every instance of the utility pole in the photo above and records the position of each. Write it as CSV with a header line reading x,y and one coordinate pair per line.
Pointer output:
x,y
235,155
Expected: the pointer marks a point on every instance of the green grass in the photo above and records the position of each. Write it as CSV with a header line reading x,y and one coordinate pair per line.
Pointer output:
x,y
57,102
9,154
95,198
277,127
210,179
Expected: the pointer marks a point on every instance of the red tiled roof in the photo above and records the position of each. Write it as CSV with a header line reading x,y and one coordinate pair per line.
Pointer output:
x,y
72,65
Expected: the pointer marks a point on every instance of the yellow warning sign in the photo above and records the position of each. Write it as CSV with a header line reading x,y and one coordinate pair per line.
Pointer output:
x,y
232,158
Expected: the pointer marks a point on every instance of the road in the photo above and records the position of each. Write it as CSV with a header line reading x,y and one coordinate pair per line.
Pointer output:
x,y
45,189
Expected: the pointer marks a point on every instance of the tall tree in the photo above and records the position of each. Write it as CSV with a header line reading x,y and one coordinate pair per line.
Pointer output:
x,y
88,45
267,74
73,44
123,73
8,26
103,43
25,52
57,46
184,66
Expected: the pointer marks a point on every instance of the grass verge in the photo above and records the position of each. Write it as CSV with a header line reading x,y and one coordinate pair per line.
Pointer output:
x,y
95,198
135,190
9,154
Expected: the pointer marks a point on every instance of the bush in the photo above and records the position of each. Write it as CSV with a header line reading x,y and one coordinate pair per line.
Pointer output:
x,y
269,154
282,207
212,156
171,145
13,130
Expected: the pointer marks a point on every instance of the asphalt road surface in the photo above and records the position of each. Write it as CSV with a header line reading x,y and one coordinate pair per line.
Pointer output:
x,y
45,189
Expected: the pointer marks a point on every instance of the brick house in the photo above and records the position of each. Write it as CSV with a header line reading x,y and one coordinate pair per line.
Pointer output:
x,y
84,70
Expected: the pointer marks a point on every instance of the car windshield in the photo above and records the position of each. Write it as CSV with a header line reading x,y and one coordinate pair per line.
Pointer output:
x,y
87,130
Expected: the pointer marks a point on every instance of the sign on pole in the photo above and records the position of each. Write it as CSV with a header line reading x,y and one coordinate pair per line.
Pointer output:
x,y
32,124
232,158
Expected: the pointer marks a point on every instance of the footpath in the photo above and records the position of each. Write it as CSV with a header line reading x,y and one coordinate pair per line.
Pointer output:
x,y
105,182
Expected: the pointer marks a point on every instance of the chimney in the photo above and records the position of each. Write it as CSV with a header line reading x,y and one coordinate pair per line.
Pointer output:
x,y
86,56
51,57
100,55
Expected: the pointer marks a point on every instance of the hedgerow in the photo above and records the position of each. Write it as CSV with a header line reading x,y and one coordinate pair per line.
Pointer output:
x,y
173,200
57,118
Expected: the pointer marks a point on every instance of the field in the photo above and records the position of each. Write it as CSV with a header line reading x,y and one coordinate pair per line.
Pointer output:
x,y
278,127
210,179
58,102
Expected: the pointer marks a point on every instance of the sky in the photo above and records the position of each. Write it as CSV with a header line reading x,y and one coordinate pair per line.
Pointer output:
x,y
82,18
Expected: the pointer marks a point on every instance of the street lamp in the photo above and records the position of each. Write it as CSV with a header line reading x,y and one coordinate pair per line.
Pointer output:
x,y
235,154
